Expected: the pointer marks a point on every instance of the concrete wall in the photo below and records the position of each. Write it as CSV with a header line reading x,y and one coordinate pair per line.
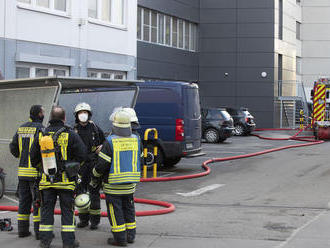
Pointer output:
x,y
160,62
236,45
31,35
316,40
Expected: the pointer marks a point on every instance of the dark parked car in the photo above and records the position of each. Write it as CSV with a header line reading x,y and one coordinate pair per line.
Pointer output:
x,y
217,125
243,121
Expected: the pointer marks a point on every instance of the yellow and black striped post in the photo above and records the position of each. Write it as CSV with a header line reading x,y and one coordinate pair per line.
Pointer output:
x,y
301,119
145,152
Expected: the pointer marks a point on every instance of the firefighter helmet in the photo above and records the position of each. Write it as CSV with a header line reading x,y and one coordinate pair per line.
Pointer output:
x,y
82,201
121,119
83,106
131,112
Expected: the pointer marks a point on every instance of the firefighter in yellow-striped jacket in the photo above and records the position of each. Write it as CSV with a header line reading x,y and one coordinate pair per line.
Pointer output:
x,y
69,149
28,176
119,165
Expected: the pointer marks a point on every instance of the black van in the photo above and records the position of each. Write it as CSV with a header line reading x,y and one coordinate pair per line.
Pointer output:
x,y
173,108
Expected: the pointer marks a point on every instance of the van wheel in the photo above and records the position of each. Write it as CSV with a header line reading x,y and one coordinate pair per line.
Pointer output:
x,y
151,158
211,135
170,162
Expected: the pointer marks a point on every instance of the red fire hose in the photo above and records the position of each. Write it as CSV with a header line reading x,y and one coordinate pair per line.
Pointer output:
x,y
170,207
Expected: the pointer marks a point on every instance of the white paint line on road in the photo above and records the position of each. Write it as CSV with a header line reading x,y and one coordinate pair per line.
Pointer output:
x,y
4,212
299,229
10,199
202,190
167,174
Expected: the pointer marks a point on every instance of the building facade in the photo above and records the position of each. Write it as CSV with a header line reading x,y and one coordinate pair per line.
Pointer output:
x,y
78,38
245,52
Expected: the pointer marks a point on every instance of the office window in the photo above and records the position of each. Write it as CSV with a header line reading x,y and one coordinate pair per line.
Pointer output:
x,y
168,30
41,72
280,20
162,29
22,72
117,75
186,35
29,70
43,3
139,23
154,26
174,32
180,33
280,74
146,25
298,65
298,31
59,72
108,11
193,37
92,8
118,12
53,5
60,5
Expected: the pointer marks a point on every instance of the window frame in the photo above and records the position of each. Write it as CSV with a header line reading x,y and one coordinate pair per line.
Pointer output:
x,y
98,20
50,69
32,5
113,74
187,45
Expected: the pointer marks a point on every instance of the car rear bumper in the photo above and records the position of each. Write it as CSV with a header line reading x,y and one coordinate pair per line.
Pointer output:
x,y
250,127
227,131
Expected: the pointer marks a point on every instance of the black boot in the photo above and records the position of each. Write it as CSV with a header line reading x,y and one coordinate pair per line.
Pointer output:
x,y
74,245
112,241
82,224
24,234
45,243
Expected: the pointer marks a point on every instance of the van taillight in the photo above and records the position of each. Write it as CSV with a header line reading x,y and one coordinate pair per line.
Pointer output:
x,y
179,130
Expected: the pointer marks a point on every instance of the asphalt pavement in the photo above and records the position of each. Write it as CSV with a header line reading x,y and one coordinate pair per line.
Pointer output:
x,y
274,200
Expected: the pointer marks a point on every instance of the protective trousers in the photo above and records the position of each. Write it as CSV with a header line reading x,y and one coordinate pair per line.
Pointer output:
x,y
27,196
121,214
93,214
49,197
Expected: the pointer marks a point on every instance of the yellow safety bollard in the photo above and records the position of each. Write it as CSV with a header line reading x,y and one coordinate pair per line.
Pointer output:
x,y
301,119
145,153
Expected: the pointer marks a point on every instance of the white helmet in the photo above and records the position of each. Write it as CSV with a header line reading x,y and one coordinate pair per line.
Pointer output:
x,y
121,119
132,114
83,106
82,201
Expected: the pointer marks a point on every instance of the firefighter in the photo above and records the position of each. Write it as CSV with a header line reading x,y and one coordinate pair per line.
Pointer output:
x,y
93,137
119,162
28,176
57,179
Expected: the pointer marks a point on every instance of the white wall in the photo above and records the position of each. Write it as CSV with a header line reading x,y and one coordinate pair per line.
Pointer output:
x,y
316,40
37,26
